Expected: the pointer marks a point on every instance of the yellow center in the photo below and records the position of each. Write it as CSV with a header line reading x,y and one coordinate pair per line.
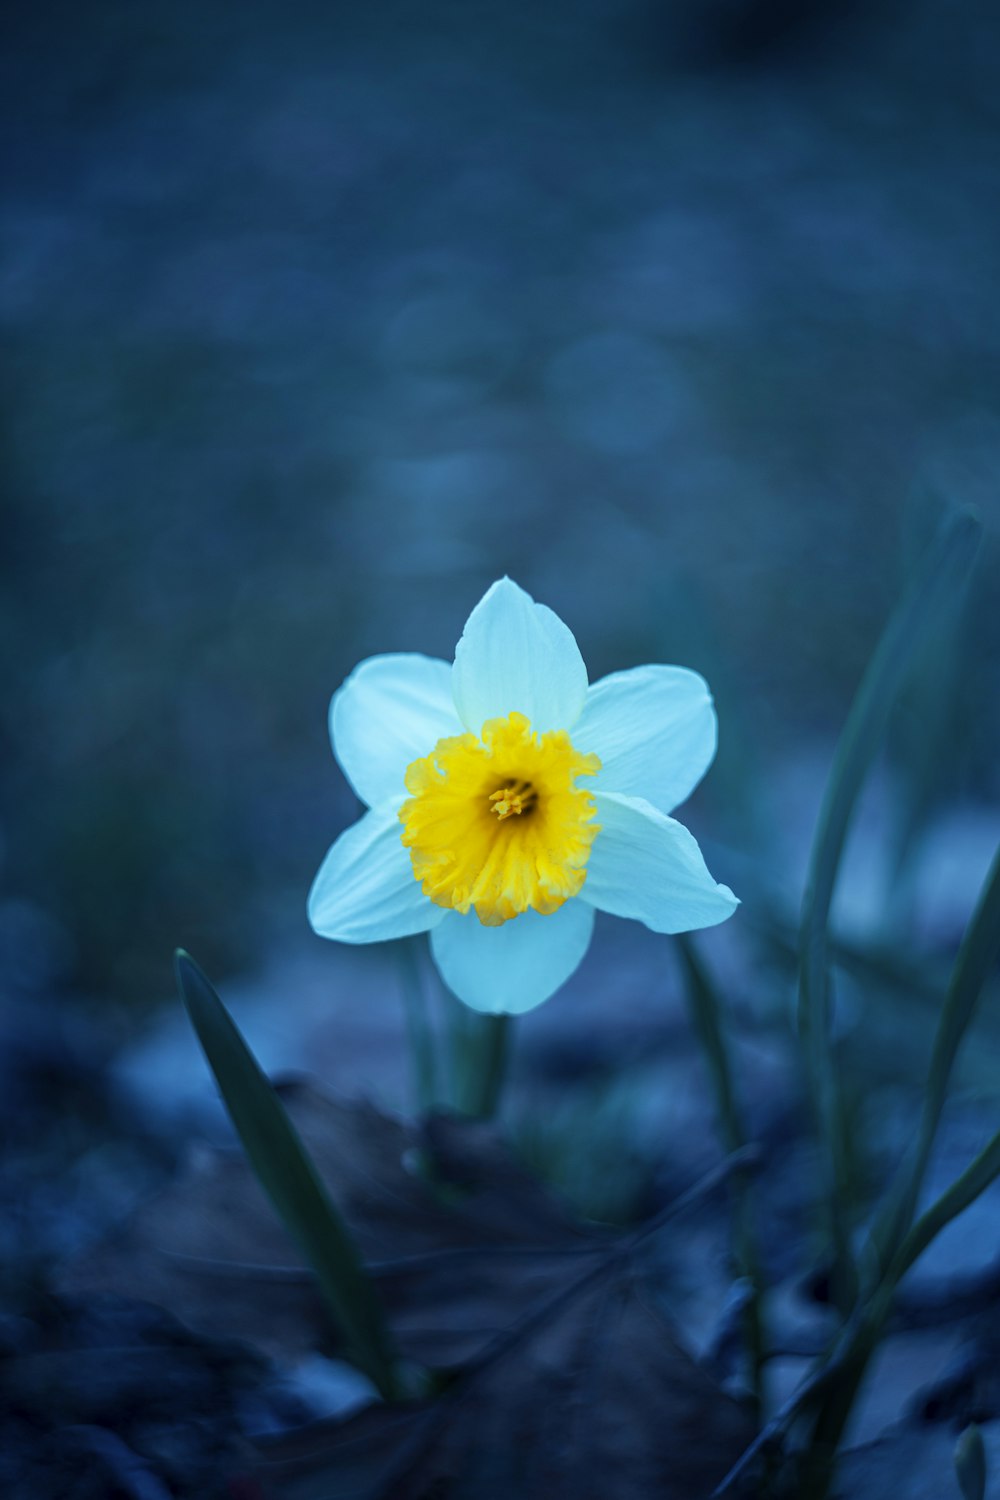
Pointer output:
x,y
497,824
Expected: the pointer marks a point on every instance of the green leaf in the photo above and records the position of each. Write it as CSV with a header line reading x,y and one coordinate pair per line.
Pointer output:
x,y
976,958
289,1178
481,1047
943,573
705,1010
839,1380
970,1463
420,1032
974,1181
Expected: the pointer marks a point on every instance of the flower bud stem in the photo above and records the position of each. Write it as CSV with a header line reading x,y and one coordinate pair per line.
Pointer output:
x,y
481,1054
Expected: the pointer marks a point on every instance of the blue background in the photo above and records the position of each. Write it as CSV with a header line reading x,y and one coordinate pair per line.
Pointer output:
x,y
317,318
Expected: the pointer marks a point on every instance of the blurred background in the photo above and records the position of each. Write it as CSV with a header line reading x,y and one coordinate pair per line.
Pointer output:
x,y
317,318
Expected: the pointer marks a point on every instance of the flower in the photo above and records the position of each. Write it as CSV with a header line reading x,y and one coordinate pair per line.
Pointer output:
x,y
508,800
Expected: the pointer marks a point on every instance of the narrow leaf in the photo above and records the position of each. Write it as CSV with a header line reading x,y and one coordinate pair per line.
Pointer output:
x,y
289,1178
976,957
705,1010
839,1380
970,1464
480,1054
974,1181
420,1033
943,573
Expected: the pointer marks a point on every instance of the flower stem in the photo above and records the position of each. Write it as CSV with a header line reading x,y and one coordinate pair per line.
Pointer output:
x,y
291,1180
705,1010
483,1047
419,1031
934,590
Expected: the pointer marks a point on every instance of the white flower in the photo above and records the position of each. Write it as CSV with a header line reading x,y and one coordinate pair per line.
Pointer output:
x,y
477,830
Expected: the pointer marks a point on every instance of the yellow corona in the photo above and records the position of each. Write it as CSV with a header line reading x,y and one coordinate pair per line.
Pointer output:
x,y
496,824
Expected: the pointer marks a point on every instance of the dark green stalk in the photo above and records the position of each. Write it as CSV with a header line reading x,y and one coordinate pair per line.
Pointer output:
x,y
849,1365
705,1011
897,1244
970,1464
418,1028
943,573
483,1050
289,1178
976,957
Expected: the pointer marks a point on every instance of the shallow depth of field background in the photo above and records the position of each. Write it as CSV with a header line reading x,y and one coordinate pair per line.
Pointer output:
x,y
317,318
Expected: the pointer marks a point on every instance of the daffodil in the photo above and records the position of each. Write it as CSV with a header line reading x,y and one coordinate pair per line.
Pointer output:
x,y
508,800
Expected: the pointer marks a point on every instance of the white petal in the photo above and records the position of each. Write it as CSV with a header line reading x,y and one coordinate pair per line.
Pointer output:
x,y
517,656
646,866
655,731
509,969
390,711
365,891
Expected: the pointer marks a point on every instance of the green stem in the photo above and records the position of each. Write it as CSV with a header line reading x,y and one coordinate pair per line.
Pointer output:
x,y
482,1052
976,958
418,1028
705,1011
849,1365
847,1371
289,1177
936,586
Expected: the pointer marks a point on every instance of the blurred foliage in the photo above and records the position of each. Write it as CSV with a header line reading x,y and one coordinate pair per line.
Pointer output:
x,y
315,320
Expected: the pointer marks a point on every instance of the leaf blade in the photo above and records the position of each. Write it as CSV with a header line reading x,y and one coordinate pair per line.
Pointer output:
x,y
980,1174
288,1177
977,955
705,1012
945,569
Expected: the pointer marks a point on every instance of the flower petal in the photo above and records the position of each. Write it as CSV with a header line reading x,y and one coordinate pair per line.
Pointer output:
x,y
365,891
389,712
509,969
646,866
655,731
517,656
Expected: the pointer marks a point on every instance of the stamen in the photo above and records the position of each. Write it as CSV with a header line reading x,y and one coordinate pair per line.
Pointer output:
x,y
466,787
515,798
